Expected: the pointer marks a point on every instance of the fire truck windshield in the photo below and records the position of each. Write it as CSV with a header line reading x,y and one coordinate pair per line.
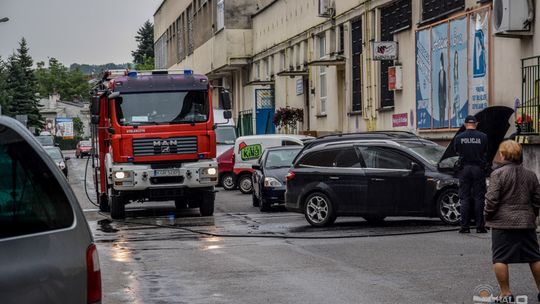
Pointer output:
x,y
162,108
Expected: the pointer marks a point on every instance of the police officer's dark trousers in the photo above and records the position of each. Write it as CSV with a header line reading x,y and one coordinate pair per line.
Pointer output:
x,y
472,190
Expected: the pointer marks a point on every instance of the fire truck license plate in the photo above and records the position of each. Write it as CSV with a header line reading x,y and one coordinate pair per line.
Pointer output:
x,y
166,172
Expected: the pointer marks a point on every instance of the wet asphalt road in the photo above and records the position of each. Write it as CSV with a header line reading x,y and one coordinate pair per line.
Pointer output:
x,y
160,255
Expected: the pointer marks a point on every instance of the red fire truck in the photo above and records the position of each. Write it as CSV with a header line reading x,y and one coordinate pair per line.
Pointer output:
x,y
154,133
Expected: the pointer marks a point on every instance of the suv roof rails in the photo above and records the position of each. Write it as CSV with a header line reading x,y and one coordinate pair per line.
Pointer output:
x,y
390,135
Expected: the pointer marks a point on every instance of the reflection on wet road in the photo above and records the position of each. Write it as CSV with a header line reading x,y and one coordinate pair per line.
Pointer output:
x,y
161,255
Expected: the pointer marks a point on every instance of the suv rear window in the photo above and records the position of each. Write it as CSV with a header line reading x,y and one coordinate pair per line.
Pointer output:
x,y
31,199
324,158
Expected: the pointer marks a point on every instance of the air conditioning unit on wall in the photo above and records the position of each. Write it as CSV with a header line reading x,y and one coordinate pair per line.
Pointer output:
x,y
327,8
513,17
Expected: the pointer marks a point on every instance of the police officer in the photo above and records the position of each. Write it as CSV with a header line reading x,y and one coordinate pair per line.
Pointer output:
x,y
472,146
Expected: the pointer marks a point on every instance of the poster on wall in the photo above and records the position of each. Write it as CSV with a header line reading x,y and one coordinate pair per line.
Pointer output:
x,y
459,103
64,128
439,76
478,61
423,80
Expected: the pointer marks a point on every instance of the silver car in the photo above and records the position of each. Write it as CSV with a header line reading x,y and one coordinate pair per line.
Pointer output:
x,y
47,254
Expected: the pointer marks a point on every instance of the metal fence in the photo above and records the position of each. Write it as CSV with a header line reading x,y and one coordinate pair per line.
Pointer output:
x,y
528,110
245,123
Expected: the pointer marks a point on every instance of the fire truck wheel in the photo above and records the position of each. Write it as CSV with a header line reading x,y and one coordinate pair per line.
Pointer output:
x,y
206,207
103,203
118,209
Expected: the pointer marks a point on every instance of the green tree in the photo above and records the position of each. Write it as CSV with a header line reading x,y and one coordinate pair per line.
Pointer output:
x,y
23,86
145,44
4,90
58,79
78,127
147,66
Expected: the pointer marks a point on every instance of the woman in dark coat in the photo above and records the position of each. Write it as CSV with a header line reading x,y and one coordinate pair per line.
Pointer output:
x,y
512,204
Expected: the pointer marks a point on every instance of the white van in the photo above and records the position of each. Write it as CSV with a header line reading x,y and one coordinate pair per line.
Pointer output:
x,y
248,149
225,132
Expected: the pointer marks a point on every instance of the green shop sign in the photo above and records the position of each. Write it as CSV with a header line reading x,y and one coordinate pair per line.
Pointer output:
x,y
251,152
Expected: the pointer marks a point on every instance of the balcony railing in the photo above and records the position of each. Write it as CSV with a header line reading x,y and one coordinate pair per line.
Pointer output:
x,y
528,110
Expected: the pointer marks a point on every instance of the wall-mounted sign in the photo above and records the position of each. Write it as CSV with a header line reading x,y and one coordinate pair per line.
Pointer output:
x,y
400,120
385,50
395,79
299,87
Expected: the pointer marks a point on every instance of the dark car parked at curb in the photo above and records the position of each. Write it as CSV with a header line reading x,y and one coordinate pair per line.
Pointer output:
x,y
376,175
47,253
269,176
56,154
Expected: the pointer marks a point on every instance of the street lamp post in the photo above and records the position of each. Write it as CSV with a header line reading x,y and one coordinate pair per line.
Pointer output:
x,y
5,19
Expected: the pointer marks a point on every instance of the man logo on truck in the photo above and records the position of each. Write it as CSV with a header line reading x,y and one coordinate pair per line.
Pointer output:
x,y
164,146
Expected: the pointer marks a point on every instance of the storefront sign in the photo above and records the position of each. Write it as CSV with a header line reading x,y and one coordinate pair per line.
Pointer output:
x,y
400,120
423,79
395,81
64,128
299,87
459,101
385,50
478,50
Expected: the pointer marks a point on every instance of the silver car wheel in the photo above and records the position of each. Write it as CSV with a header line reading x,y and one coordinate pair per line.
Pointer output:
x,y
450,207
246,186
317,209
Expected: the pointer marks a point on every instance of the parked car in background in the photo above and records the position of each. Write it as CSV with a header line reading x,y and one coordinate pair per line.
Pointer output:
x,y
376,176
46,140
248,149
56,154
269,176
84,148
225,132
47,254
225,169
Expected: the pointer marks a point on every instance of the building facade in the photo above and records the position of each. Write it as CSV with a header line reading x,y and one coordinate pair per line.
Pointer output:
x,y
360,65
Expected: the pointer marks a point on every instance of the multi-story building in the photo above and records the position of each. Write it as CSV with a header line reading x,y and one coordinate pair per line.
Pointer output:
x,y
357,65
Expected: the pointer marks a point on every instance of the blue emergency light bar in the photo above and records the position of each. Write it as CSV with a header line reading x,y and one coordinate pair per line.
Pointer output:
x,y
186,72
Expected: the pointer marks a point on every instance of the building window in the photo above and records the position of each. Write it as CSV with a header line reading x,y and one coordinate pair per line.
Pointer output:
x,y
394,18
322,45
191,44
341,42
220,17
434,9
356,45
180,37
323,91
282,65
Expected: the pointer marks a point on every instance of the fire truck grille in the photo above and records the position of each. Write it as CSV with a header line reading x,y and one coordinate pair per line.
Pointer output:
x,y
164,146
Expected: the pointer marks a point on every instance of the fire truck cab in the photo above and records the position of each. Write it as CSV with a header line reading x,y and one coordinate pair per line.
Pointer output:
x,y
155,135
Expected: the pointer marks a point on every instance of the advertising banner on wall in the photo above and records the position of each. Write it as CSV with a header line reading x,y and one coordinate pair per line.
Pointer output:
x,y
64,128
439,77
459,104
423,79
478,52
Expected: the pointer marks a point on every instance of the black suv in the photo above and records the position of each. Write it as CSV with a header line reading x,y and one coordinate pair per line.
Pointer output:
x,y
380,174
373,178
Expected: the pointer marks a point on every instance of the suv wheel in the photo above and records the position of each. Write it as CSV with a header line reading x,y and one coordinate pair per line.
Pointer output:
x,y
245,184
228,182
319,210
449,207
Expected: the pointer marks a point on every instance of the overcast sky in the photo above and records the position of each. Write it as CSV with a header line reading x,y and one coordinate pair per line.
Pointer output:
x,y
75,31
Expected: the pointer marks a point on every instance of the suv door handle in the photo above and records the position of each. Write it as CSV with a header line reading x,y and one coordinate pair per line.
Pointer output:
x,y
378,179
334,177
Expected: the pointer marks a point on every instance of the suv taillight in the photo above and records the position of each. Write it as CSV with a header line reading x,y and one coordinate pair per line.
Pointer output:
x,y
290,176
93,275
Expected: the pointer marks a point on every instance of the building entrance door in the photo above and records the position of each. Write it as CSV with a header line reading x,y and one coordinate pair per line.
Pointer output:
x,y
265,109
